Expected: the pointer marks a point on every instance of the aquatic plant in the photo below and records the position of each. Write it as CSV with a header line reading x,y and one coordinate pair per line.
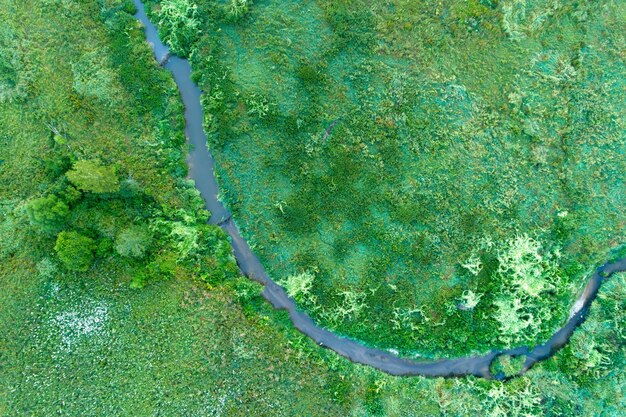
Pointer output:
x,y
238,8
299,287
179,24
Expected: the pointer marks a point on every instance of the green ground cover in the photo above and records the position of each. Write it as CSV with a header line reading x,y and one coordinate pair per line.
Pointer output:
x,y
443,175
138,310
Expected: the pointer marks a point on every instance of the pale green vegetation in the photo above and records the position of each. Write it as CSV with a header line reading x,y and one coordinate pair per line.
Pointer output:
x,y
299,287
526,274
133,241
91,175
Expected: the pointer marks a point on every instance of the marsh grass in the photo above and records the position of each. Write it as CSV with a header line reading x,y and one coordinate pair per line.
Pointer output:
x,y
440,153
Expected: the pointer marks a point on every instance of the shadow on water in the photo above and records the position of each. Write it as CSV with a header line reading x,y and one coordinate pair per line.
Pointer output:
x,y
201,170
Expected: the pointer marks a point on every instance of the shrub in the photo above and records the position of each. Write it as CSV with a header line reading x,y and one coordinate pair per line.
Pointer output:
x,y
75,250
47,212
91,175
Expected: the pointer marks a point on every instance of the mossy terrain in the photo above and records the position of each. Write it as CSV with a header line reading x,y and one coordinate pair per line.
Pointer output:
x,y
144,313
445,174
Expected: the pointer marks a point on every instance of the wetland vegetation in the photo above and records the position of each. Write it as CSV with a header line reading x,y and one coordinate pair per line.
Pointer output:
x,y
118,298
409,188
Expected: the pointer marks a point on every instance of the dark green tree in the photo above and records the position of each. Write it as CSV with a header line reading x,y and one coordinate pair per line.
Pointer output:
x,y
47,212
91,175
75,250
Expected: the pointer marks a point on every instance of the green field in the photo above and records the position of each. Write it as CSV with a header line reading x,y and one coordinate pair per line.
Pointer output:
x,y
116,297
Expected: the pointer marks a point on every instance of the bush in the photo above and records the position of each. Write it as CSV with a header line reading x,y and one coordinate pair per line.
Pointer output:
x,y
133,242
47,212
91,175
75,250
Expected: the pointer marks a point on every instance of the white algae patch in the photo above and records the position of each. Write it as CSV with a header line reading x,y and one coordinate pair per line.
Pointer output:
x,y
77,324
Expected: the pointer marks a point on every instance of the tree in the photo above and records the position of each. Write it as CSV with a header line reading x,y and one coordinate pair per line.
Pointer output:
x,y
134,241
75,250
91,175
48,212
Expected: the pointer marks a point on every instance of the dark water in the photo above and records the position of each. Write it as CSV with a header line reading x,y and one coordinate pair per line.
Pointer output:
x,y
201,170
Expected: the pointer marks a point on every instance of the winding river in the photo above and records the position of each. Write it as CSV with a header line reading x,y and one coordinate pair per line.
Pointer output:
x,y
201,170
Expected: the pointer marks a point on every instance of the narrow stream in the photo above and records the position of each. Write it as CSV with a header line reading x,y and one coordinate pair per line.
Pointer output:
x,y
201,170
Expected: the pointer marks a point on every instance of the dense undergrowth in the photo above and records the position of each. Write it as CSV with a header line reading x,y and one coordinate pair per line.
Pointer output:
x,y
443,175
93,153
116,298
